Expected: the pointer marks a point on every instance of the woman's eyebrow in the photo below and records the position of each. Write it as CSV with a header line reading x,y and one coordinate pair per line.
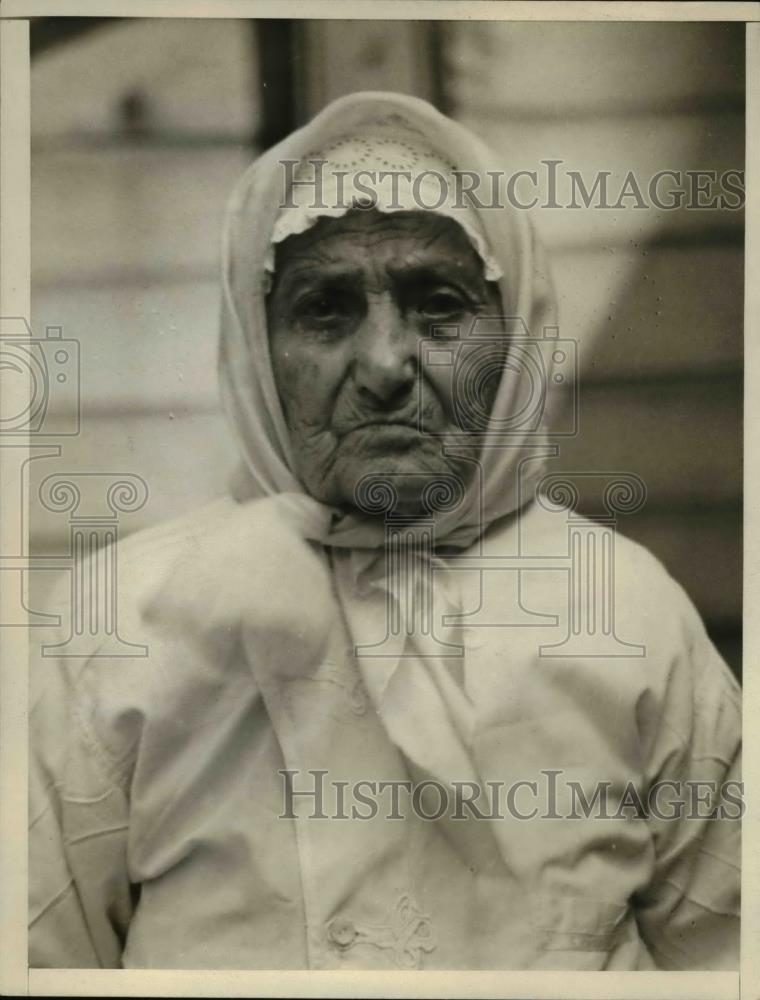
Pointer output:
x,y
441,271
320,276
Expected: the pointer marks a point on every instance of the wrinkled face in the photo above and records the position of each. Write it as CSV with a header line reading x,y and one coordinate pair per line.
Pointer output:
x,y
352,301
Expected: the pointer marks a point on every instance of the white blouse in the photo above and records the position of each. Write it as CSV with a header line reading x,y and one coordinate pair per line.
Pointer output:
x,y
163,834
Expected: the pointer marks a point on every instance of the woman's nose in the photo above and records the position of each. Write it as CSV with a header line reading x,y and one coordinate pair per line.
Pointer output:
x,y
386,354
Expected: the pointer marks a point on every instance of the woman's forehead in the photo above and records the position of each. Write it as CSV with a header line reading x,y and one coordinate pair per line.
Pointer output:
x,y
399,236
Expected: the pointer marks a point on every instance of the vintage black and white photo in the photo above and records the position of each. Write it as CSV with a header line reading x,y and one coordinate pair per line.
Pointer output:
x,y
383,488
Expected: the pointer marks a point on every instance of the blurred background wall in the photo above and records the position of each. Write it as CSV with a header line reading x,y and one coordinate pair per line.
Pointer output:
x,y
140,128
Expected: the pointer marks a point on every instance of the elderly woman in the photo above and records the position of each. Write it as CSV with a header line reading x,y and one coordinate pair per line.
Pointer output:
x,y
357,740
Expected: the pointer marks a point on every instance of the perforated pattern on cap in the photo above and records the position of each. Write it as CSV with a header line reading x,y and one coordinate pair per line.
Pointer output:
x,y
409,175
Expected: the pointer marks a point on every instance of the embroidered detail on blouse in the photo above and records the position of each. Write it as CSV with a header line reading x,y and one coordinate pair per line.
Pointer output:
x,y
406,937
352,686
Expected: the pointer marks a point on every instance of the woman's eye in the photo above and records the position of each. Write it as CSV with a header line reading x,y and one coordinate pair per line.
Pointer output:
x,y
443,305
321,308
324,309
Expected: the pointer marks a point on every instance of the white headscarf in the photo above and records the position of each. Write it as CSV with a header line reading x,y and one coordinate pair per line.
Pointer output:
x,y
247,383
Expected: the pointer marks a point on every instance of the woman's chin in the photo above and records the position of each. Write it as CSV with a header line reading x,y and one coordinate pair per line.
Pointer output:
x,y
395,481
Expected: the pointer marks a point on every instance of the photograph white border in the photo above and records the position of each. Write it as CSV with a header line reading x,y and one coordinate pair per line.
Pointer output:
x,y
15,193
